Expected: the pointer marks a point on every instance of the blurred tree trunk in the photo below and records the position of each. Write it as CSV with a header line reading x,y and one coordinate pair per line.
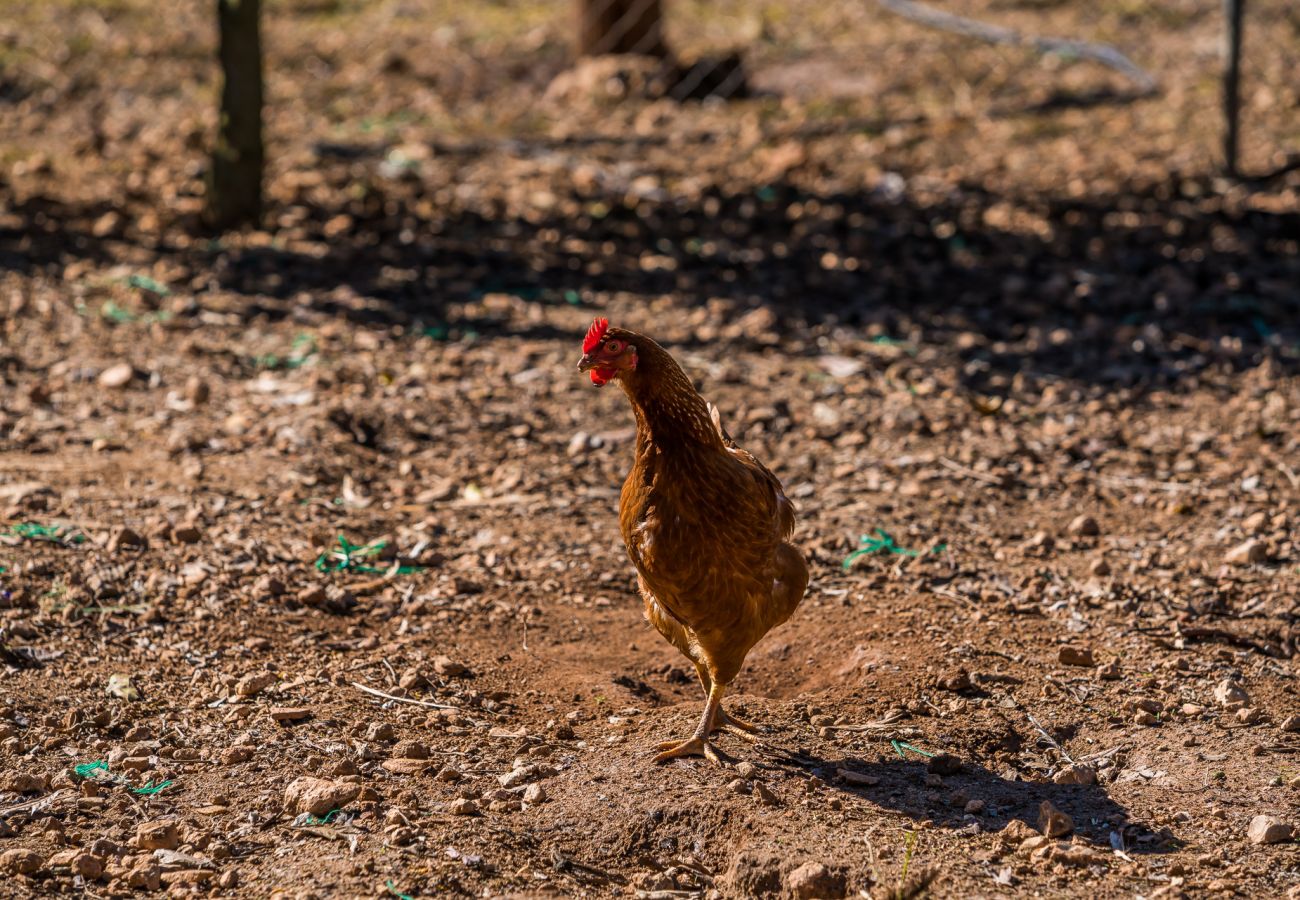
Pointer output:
x,y
1232,14
235,173
621,26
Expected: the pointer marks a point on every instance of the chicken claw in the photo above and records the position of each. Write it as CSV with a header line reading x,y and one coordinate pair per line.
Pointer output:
x,y
694,746
733,725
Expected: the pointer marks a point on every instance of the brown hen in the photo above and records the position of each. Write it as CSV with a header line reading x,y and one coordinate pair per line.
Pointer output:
x,y
705,523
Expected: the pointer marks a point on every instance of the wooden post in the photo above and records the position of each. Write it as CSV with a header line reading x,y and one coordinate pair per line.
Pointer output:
x,y
1232,11
621,26
235,173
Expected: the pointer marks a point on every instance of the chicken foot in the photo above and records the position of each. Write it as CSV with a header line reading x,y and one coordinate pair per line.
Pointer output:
x,y
699,744
723,720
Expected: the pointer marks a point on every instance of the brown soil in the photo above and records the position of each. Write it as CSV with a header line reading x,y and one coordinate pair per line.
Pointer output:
x,y
1067,382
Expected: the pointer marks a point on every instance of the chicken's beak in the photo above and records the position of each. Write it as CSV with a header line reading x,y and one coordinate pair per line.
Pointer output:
x,y
587,362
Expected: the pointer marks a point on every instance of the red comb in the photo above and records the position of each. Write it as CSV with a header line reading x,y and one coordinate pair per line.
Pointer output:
x,y
594,334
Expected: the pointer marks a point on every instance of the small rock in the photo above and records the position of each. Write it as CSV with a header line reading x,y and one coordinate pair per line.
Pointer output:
x,y
1255,523
1052,822
254,683
116,376
1142,717
380,731
738,786
944,764
1229,693
187,534
1268,830
1085,526
1291,724
1247,554
958,682
764,794
1033,843
1249,716
446,667
23,783
78,862
578,444
146,876
125,537
1076,656
1109,671
318,796
1099,567
815,880
410,750
405,766
974,807
857,779
21,862
161,835
234,755
535,794
1075,774
463,807
746,769
197,390
1015,833
284,714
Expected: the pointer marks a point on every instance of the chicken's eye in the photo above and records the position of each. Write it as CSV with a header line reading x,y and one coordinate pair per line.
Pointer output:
x,y
613,346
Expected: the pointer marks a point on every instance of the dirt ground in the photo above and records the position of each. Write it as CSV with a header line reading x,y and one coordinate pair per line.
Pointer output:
x,y
1008,331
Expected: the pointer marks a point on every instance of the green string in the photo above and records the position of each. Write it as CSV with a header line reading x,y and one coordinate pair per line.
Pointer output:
x,y
87,770
868,544
392,889
900,746
348,556
150,788
38,532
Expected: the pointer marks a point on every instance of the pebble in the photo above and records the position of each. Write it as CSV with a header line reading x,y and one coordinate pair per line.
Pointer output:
x,y
746,769
159,835
21,862
448,668
463,807
1249,716
1268,830
944,764
380,731
116,376
1109,671
1070,655
289,713
410,750
738,786
848,776
1075,774
125,537
1230,694
78,862
535,794
1085,526
1291,724
318,796
815,880
254,683
1255,522
1142,717
958,682
234,755
1099,567
1052,822
764,794
1247,554
401,766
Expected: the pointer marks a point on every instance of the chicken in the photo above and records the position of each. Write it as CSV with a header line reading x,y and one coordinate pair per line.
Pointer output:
x,y
705,523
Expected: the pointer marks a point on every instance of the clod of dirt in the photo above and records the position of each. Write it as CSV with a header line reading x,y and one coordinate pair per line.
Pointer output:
x,y
1249,715
234,755
746,769
1268,830
1076,774
1084,526
764,795
1109,671
405,766
146,876
958,682
944,764
535,794
1290,724
1076,656
463,807
753,874
23,783
125,537
410,750
283,714
254,683
1230,694
1099,567
1246,554
160,835
318,796
77,862
447,667
1015,833
816,880
116,376
1052,822
21,862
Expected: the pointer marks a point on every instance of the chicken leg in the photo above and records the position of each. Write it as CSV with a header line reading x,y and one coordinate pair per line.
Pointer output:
x,y
698,744
723,720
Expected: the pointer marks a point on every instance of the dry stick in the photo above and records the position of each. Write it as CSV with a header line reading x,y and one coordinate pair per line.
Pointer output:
x,y
425,703
971,473
995,34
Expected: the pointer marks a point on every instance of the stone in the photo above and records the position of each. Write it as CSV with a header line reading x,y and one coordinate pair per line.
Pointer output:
x,y
535,794
1084,526
254,683
448,668
402,766
463,807
116,376
1247,554
1109,671
764,795
1016,833
944,764
146,876
815,880
284,714
21,862
1230,694
410,750
1099,567
78,862
1075,774
1070,655
318,796
957,682
1052,822
125,537
234,755
1249,716
159,835
1290,724
1268,830
380,731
